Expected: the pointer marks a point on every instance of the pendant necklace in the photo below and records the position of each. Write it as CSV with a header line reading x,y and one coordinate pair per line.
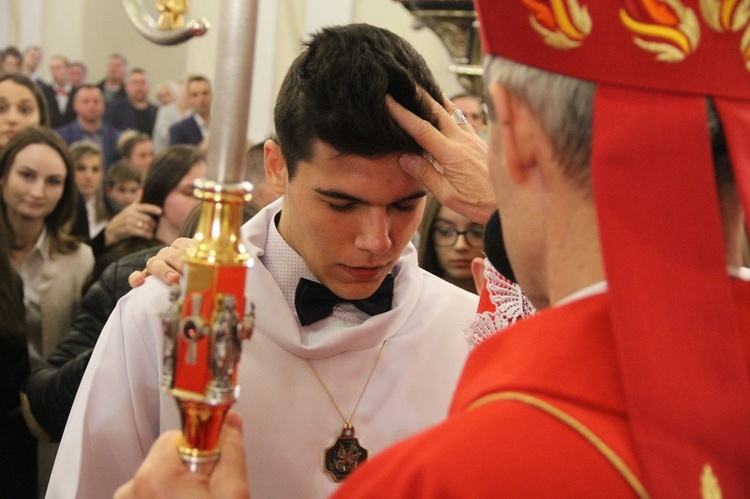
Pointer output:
x,y
345,453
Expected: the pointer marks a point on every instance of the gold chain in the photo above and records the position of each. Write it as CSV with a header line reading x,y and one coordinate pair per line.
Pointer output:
x,y
347,421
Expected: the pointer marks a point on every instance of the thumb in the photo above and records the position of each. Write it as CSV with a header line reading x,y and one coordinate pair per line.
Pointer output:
x,y
229,478
138,197
421,169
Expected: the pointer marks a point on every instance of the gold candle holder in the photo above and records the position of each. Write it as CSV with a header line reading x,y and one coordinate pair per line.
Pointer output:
x,y
207,322
208,319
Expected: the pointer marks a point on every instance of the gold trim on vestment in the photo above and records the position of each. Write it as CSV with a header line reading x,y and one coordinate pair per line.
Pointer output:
x,y
614,459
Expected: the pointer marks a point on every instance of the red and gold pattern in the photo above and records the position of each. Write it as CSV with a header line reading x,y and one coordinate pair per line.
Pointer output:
x,y
729,16
667,28
563,24
725,15
654,63
745,48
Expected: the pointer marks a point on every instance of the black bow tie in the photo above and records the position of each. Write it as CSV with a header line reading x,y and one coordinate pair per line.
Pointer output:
x,y
314,301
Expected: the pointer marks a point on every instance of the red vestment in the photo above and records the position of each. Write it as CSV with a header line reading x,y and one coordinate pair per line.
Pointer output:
x,y
566,357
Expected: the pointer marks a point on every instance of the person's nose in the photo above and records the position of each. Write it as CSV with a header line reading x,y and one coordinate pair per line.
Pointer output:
x,y
374,234
12,115
461,244
37,189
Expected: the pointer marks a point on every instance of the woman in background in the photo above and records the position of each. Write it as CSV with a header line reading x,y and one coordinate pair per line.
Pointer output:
x,y
448,242
17,445
38,202
21,104
10,61
166,92
168,185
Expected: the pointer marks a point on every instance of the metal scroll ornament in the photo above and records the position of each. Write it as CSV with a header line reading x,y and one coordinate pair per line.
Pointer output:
x,y
208,318
171,27
455,23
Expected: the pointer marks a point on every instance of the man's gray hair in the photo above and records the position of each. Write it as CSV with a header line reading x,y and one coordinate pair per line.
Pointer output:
x,y
562,104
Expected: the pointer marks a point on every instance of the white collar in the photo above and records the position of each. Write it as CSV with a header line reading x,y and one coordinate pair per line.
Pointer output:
x,y
41,247
590,290
741,273
275,317
286,266
41,242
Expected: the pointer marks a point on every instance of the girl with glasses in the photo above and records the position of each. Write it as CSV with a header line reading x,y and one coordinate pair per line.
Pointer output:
x,y
448,242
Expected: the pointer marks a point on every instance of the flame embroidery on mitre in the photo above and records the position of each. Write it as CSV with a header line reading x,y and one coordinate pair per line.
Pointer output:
x,y
665,27
745,48
726,15
563,24
709,484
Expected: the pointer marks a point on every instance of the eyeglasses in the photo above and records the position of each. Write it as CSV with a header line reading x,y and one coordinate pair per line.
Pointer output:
x,y
447,236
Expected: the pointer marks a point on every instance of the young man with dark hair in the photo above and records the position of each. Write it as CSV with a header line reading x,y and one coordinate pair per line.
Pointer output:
x,y
344,223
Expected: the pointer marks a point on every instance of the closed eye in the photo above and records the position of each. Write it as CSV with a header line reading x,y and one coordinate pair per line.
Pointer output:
x,y
342,207
405,208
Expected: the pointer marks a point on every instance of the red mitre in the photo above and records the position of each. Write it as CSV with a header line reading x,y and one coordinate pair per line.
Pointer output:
x,y
678,339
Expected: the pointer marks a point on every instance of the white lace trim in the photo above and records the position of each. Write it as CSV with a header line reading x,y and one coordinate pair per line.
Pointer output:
x,y
510,304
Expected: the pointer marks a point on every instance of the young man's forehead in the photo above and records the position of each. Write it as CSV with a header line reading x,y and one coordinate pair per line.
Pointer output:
x,y
323,151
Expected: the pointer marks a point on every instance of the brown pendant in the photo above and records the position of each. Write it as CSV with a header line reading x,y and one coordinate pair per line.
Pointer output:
x,y
344,455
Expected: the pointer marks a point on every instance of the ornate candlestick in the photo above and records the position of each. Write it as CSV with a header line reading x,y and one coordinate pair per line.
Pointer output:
x,y
208,319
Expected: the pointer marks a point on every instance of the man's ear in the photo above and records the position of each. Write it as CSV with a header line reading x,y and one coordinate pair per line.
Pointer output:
x,y
516,132
276,171
477,273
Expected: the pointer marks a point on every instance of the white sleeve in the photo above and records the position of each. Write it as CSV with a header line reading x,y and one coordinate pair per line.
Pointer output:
x,y
115,416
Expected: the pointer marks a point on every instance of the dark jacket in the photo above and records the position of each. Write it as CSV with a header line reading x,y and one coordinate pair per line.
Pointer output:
x,y
58,117
121,249
120,93
185,132
80,225
121,114
18,474
50,390
72,132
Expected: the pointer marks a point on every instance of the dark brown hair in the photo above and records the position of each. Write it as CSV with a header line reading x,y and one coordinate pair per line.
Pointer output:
x,y
335,92
167,170
426,253
27,82
62,215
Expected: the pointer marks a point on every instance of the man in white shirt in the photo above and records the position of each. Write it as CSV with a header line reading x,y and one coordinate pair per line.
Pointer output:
x,y
345,221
